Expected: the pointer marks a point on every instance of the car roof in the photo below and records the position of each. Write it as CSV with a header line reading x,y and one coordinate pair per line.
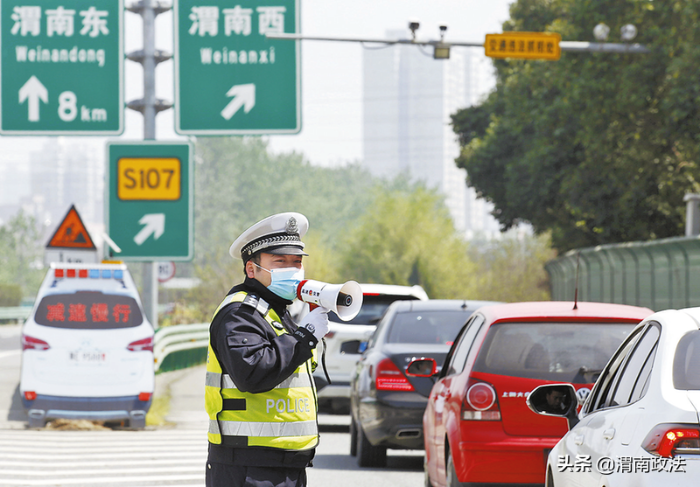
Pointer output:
x,y
693,312
440,305
554,310
394,290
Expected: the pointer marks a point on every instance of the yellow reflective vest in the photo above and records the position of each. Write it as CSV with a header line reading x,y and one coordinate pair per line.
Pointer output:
x,y
284,417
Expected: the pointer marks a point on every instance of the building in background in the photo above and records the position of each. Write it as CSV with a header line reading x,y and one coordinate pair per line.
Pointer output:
x,y
14,180
47,176
408,100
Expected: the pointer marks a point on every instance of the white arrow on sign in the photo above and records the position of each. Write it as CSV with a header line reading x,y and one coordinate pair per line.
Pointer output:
x,y
243,96
34,91
154,224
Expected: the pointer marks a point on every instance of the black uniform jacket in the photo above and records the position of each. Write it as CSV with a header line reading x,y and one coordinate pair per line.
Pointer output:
x,y
257,360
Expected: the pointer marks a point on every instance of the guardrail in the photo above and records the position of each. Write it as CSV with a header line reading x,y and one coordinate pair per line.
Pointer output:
x,y
658,274
180,346
15,313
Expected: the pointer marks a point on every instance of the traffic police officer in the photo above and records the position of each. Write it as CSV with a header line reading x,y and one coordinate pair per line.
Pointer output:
x,y
260,394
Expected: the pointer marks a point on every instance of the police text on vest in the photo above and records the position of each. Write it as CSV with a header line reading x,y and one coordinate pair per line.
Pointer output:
x,y
300,405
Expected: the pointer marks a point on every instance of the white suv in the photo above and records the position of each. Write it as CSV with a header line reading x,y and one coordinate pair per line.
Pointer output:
x,y
344,342
87,348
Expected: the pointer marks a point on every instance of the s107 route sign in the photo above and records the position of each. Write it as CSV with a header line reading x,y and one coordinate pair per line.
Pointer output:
x,y
61,67
155,178
230,79
149,200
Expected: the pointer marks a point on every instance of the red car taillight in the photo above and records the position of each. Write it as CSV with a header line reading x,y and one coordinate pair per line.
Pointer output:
x,y
141,345
667,440
31,343
480,402
390,378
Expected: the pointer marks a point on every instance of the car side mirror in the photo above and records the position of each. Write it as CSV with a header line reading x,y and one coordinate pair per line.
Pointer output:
x,y
422,367
558,400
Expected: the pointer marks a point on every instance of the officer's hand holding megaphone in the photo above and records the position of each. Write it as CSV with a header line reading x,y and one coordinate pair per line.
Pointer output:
x,y
317,322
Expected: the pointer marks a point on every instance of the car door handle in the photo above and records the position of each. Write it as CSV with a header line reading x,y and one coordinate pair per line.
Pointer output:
x,y
609,434
578,439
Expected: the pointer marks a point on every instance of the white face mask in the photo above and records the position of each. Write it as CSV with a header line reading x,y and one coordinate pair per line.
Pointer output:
x,y
285,281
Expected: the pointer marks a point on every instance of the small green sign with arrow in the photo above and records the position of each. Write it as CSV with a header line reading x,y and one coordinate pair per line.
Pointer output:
x,y
150,192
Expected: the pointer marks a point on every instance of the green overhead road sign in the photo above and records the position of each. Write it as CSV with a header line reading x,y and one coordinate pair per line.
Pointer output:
x,y
61,67
149,200
230,79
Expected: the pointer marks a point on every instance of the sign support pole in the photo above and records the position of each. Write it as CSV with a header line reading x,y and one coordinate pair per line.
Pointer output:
x,y
149,106
150,275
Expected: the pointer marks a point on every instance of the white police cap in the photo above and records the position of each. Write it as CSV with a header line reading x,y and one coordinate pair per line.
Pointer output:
x,y
277,234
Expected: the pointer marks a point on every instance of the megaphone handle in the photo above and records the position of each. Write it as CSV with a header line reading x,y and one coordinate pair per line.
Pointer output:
x,y
312,307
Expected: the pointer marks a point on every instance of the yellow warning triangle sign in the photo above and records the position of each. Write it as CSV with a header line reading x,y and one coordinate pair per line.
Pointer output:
x,y
71,233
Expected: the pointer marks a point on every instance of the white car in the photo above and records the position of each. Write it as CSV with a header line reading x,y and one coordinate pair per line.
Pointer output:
x,y
87,348
639,425
345,339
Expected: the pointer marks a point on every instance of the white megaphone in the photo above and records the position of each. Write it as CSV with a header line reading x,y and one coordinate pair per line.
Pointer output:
x,y
345,300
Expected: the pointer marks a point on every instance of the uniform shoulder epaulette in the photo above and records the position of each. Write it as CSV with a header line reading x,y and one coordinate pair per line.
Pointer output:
x,y
255,302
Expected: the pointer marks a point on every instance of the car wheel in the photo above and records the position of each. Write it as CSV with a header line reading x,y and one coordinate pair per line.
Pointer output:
x,y
367,454
550,479
452,480
36,422
340,406
137,424
353,437
426,478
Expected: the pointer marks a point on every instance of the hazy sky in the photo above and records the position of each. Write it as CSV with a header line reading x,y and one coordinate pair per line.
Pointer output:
x,y
331,72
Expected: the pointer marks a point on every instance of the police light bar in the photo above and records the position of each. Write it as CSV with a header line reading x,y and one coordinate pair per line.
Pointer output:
x,y
89,273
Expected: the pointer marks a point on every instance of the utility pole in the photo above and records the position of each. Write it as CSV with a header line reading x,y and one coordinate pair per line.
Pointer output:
x,y
441,48
149,106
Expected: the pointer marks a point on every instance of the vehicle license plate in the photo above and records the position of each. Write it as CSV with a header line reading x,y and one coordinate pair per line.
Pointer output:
x,y
87,357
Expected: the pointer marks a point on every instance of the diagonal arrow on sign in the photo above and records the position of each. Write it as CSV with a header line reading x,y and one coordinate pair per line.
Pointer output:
x,y
33,91
154,224
243,96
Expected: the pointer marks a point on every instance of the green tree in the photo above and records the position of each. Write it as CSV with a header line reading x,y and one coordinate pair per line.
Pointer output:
x,y
596,147
21,255
406,237
511,268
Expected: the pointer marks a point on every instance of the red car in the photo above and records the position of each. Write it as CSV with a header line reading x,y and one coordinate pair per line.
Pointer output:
x,y
477,425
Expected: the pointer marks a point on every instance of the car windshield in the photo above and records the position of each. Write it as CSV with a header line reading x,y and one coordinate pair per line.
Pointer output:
x,y
426,327
565,352
88,310
373,307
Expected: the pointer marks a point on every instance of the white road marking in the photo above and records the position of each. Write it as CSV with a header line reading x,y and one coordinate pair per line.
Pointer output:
x,y
115,458
163,480
90,450
192,459
104,471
